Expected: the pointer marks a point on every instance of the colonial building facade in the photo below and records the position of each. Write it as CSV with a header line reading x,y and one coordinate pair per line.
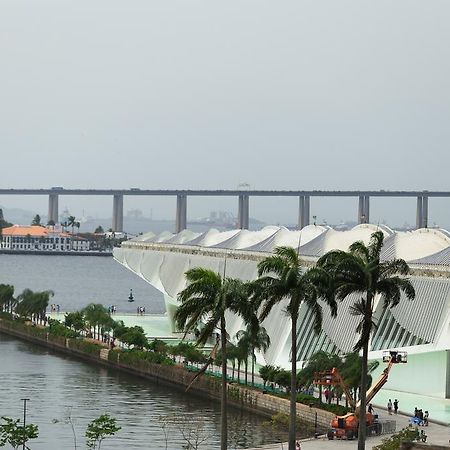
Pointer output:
x,y
39,238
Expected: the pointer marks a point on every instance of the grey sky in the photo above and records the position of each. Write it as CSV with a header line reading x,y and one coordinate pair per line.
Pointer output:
x,y
204,94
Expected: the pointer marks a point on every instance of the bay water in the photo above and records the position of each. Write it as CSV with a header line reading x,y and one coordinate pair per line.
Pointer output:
x,y
152,416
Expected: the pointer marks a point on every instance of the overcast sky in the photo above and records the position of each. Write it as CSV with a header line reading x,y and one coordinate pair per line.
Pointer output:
x,y
347,94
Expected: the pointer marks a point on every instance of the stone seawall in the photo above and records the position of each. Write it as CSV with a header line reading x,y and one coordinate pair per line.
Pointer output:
x,y
174,375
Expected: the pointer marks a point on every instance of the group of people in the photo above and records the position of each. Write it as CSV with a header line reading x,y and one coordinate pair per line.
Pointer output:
x,y
420,418
392,406
140,310
112,309
55,308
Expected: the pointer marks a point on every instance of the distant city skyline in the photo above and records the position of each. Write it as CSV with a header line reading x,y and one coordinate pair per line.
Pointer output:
x,y
100,210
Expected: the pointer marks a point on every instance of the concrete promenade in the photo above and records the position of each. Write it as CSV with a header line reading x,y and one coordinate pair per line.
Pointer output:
x,y
437,435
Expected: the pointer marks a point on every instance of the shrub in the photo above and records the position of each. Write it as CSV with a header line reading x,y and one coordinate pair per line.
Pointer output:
x,y
394,442
56,328
113,355
141,359
90,348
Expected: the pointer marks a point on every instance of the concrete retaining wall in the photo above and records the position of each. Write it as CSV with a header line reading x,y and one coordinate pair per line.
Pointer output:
x,y
176,375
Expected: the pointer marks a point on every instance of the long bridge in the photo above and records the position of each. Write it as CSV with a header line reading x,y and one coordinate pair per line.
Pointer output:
x,y
243,196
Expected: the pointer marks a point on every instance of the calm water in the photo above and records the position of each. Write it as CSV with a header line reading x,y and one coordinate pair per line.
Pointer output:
x,y
79,280
56,383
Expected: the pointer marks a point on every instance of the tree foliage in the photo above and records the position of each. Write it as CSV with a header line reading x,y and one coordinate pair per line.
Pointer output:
x,y
99,429
14,434
360,271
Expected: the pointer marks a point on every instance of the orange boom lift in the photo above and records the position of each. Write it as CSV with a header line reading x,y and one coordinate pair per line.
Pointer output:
x,y
346,427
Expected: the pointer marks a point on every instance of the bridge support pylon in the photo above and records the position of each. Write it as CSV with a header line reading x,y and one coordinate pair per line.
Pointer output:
x,y
181,214
53,208
303,211
364,209
422,212
243,212
117,218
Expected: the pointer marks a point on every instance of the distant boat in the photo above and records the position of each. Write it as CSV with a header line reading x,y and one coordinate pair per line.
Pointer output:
x,y
130,297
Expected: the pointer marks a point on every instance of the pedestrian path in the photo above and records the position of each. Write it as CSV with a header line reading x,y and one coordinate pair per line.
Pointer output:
x,y
437,435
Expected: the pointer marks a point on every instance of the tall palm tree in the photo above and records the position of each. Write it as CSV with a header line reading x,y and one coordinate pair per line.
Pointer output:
x,y
281,277
71,222
96,315
33,304
245,350
6,297
360,271
256,338
207,297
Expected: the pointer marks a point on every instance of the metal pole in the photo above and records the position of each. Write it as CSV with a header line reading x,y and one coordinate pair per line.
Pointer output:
x,y
25,400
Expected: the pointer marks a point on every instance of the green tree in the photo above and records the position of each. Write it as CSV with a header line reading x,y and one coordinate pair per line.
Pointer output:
x,y
264,372
14,434
360,271
255,338
134,336
281,277
244,350
71,221
36,220
255,335
7,300
3,222
96,315
33,305
99,429
207,297
351,372
99,230
319,362
75,320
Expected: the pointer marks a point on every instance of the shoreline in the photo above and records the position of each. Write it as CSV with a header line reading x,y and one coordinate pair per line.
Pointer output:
x,y
55,252
176,376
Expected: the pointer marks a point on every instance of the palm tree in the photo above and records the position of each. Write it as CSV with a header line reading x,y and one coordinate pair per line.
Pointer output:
x,y
245,350
207,297
281,277
71,222
95,316
257,339
33,304
6,297
351,373
360,271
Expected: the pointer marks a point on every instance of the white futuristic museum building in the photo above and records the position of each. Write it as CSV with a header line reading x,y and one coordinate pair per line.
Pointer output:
x,y
420,327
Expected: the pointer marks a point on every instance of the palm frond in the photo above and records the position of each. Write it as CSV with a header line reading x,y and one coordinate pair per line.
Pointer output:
x,y
375,245
360,250
393,267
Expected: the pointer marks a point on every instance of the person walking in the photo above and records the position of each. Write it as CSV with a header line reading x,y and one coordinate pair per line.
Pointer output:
x,y
297,445
389,407
395,406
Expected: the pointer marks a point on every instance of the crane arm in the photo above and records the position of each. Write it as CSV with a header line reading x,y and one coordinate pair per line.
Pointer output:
x,y
381,381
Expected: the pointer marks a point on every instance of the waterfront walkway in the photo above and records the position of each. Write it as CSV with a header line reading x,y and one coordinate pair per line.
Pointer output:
x,y
157,326
437,434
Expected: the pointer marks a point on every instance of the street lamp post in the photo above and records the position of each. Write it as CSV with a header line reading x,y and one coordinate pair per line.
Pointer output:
x,y
25,400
